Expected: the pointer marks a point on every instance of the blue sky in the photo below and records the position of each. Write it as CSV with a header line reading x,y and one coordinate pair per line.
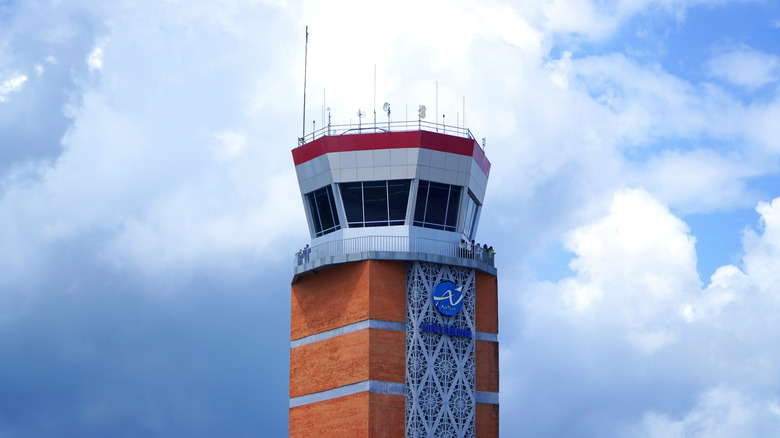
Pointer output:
x,y
149,209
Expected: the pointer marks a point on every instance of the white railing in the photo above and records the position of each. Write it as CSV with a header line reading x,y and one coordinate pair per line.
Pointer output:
x,y
412,125
356,245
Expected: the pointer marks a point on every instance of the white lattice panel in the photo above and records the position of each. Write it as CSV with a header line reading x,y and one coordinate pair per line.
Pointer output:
x,y
440,378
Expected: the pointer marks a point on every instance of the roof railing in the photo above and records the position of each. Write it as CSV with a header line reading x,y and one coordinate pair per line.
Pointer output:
x,y
362,128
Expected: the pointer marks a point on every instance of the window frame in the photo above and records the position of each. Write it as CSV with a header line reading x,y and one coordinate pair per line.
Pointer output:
x,y
377,220
317,208
424,209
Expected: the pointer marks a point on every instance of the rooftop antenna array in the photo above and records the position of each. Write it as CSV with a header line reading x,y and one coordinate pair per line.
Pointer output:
x,y
386,108
360,114
420,115
305,65
374,95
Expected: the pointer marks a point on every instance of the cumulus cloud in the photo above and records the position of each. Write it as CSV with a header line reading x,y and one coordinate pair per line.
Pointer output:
x,y
719,412
633,264
12,83
95,59
700,180
745,67
634,302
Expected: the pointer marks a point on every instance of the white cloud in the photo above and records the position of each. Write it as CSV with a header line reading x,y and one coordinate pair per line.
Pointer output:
x,y
597,20
95,59
11,84
560,70
719,413
633,316
746,67
762,251
230,145
699,180
639,257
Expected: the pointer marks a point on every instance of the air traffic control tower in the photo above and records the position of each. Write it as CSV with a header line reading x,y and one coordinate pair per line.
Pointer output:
x,y
394,318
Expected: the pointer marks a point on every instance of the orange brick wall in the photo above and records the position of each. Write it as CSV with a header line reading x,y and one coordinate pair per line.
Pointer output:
x,y
340,417
329,364
388,356
339,296
354,357
358,415
486,421
486,366
332,298
387,416
387,280
486,302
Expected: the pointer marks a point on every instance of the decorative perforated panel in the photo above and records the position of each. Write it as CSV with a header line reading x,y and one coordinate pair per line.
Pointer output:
x,y
440,400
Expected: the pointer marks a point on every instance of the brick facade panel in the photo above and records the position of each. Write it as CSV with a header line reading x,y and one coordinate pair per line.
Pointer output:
x,y
329,364
339,296
487,366
341,417
486,421
486,302
333,298
388,356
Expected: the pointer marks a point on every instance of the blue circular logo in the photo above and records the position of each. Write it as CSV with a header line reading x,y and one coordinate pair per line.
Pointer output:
x,y
448,298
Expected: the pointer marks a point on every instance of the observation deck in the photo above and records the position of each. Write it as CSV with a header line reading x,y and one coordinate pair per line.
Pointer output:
x,y
391,191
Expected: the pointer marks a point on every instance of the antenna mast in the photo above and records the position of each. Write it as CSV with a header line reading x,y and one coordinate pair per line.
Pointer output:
x,y
374,96
305,65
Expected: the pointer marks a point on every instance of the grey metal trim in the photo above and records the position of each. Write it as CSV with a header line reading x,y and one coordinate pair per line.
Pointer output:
x,y
318,264
382,387
372,324
374,386
490,398
485,336
349,328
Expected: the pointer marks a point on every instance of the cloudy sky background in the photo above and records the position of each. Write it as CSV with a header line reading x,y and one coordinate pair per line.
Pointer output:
x,y
149,208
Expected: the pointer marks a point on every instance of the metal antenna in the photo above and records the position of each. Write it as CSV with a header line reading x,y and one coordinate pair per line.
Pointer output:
x,y
374,96
305,65
386,108
360,114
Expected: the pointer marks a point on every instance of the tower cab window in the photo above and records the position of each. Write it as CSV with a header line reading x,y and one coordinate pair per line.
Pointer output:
x,y
323,211
375,203
437,206
470,216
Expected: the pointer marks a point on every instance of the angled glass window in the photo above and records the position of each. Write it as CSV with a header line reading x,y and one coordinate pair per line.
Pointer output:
x,y
437,206
352,197
397,200
375,203
471,215
324,216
